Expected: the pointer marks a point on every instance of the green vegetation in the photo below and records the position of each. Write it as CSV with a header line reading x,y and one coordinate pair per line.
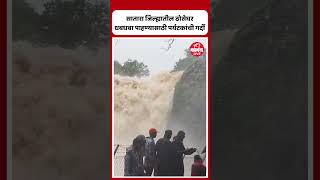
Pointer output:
x,y
131,68
184,63
25,21
68,24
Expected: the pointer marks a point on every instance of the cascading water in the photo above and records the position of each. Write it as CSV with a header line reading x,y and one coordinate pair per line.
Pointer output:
x,y
140,104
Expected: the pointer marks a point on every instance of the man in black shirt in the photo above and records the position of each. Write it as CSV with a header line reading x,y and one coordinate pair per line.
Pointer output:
x,y
164,155
179,151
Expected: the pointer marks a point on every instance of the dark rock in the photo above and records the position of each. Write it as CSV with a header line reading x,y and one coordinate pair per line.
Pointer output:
x,y
189,104
260,100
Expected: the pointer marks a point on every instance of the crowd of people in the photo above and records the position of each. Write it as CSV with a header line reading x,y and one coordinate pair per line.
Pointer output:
x,y
162,158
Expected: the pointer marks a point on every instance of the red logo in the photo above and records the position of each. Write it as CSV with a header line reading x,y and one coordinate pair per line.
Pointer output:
x,y
196,49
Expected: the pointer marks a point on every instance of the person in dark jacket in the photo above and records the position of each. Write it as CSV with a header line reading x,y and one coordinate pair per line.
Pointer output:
x,y
164,155
133,160
198,168
179,152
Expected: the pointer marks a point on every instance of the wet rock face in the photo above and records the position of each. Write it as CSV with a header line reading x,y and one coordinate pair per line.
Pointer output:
x,y
260,97
189,105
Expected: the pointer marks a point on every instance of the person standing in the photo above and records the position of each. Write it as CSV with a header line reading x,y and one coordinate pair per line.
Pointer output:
x,y
133,160
150,152
164,155
179,152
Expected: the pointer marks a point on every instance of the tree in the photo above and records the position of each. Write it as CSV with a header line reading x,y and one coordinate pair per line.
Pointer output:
x,y
25,22
184,63
131,68
117,68
135,68
74,23
68,24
